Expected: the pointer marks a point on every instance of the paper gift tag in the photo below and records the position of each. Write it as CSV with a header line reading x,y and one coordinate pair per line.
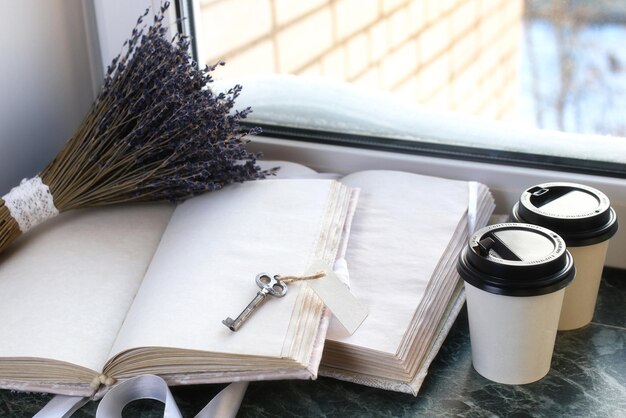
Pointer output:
x,y
337,297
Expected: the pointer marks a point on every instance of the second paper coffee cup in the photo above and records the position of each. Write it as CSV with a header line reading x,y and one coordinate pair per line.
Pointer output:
x,y
583,217
515,275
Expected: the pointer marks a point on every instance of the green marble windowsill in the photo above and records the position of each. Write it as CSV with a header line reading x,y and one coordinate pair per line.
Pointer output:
x,y
587,379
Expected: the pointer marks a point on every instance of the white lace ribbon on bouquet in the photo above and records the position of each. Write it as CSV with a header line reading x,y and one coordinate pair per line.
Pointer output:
x,y
30,203
224,405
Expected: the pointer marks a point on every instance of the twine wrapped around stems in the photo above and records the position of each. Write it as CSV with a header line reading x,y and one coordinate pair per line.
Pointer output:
x,y
155,132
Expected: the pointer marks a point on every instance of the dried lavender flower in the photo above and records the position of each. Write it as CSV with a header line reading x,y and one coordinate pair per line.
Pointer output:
x,y
155,132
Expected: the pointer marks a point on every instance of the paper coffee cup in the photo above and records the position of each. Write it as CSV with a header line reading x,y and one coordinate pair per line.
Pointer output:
x,y
583,217
515,276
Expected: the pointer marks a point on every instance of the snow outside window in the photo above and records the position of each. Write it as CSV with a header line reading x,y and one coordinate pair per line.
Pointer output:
x,y
540,78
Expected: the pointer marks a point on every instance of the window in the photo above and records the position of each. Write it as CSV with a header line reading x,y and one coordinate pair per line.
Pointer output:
x,y
531,64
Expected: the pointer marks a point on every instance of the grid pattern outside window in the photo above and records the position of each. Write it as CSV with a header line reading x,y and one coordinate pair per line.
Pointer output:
x,y
459,55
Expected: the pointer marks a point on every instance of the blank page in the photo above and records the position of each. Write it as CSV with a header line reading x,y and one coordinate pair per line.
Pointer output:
x,y
398,235
65,287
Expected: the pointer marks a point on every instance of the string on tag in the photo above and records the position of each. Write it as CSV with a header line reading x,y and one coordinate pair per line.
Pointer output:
x,y
102,380
291,279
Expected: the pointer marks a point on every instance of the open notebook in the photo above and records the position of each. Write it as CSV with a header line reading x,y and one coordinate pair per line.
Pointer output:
x,y
79,305
100,295
406,234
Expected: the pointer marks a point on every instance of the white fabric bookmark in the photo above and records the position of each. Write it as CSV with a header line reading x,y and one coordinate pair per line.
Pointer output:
x,y
224,405
472,206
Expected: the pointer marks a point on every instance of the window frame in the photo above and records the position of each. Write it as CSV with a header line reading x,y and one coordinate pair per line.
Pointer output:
x,y
455,152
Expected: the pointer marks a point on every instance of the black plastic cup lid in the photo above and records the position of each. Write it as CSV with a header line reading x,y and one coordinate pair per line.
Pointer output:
x,y
580,214
516,259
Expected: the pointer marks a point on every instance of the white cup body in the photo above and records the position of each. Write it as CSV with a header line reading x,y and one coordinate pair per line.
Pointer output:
x,y
579,302
512,337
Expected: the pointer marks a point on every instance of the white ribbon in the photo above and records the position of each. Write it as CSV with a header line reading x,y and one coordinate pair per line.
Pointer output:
x,y
30,203
224,405
141,387
61,406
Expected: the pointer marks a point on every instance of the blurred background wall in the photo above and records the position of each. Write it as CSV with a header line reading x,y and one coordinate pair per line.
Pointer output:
x,y
452,54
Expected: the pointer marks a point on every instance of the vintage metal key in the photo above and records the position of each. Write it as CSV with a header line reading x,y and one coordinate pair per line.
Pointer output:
x,y
269,285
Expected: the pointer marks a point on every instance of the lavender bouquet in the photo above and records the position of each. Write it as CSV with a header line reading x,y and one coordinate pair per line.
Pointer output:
x,y
155,132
